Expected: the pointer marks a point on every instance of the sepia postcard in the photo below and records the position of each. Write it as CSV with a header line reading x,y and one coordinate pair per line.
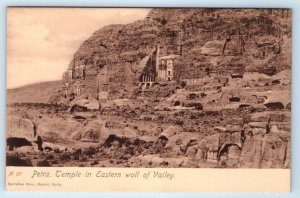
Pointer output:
x,y
148,100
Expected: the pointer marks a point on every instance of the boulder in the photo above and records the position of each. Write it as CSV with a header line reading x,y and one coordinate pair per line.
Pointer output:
x,y
89,133
181,142
189,162
169,132
126,132
147,160
84,103
210,143
192,151
25,149
157,161
99,130
21,127
137,159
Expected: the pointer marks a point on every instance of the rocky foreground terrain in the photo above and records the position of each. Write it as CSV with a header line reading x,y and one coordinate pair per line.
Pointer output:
x,y
228,104
139,133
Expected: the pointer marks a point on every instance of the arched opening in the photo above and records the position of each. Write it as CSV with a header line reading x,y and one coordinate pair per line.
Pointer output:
x,y
141,78
275,82
72,96
162,141
143,86
274,105
163,137
169,78
177,103
77,108
147,85
234,99
223,149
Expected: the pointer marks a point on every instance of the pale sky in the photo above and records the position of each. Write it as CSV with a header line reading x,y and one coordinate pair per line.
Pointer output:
x,y
41,41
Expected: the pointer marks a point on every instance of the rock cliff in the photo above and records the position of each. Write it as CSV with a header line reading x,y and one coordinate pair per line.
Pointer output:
x,y
233,37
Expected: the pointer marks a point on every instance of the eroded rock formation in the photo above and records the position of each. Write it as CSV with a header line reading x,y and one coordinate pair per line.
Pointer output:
x,y
126,53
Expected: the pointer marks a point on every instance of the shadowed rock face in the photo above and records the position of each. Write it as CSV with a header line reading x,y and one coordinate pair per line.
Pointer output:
x,y
22,132
260,143
265,151
15,142
21,127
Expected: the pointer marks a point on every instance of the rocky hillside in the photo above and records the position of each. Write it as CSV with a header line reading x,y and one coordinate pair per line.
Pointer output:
x,y
35,93
239,40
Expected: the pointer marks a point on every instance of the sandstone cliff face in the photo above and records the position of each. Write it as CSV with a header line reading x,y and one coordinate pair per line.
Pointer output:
x,y
262,142
22,135
21,127
260,38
